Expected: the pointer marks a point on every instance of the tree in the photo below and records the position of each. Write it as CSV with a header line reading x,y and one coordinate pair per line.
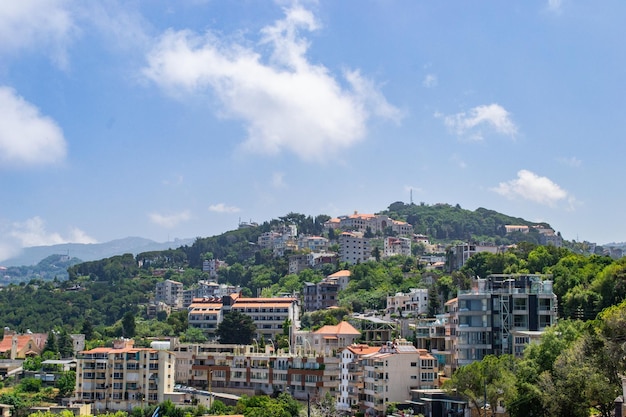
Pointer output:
x,y
236,328
128,324
87,329
193,335
66,383
66,344
51,343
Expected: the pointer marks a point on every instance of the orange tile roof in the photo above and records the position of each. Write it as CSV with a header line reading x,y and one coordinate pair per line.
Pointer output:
x,y
22,341
343,328
363,349
342,273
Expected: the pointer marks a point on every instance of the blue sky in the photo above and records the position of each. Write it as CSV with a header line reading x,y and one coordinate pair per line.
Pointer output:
x,y
175,119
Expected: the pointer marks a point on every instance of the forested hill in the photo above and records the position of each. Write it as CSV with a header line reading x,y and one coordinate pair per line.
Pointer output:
x,y
447,223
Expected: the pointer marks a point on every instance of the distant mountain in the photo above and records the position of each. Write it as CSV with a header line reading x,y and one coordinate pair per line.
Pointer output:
x,y
92,251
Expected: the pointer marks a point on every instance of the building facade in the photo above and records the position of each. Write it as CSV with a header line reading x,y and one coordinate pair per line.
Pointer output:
x,y
354,248
123,377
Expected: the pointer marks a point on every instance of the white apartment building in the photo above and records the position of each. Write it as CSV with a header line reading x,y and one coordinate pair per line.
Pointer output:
x,y
413,303
354,248
313,243
351,379
396,246
169,292
123,377
212,266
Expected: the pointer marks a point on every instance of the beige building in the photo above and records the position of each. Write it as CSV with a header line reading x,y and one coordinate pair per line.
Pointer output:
x,y
351,379
390,374
249,370
268,314
123,377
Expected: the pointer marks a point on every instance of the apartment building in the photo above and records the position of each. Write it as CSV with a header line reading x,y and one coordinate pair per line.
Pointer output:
x,y
459,254
393,246
496,307
207,289
123,377
212,266
413,303
268,314
248,370
351,379
323,294
313,243
376,223
354,248
169,292
390,374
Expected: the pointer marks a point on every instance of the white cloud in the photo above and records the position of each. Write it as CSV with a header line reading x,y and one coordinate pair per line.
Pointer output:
x,y
555,5
32,232
468,123
26,136
287,102
43,24
430,81
171,220
531,186
456,159
571,161
223,208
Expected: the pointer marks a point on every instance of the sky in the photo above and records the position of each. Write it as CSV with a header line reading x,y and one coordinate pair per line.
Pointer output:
x,y
179,119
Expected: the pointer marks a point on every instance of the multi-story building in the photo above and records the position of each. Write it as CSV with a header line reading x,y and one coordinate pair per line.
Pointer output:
x,y
170,292
351,380
212,266
268,314
327,340
250,370
298,263
376,223
123,377
396,246
496,307
459,254
413,303
354,248
390,374
313,243
207,289
324,294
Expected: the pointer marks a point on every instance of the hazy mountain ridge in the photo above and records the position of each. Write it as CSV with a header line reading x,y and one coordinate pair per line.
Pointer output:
x,y
92,251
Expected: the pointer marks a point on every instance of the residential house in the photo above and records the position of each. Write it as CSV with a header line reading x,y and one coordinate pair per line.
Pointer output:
x,y
20,346
413,303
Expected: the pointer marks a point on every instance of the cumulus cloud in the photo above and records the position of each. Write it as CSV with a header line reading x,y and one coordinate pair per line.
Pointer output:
x,y
223,208
47,25
170,220
26,136
469,123
533,187
286,101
